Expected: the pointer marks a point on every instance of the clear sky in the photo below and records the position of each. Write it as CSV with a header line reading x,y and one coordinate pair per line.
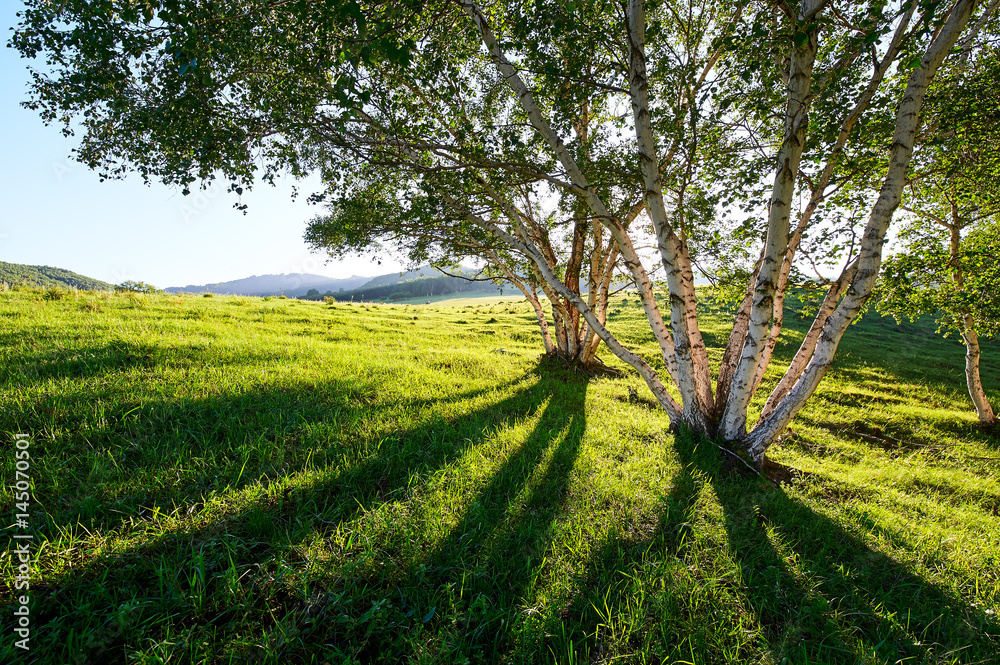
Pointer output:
x,y
56,212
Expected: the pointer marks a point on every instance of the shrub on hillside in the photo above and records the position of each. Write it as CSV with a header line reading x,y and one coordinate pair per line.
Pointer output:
x,y
55,293
130,286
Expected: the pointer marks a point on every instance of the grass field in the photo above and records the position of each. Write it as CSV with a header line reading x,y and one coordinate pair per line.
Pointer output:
x,y
246,480
469,298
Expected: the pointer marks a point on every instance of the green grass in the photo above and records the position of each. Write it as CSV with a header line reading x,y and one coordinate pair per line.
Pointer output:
x,y
463,299
247,480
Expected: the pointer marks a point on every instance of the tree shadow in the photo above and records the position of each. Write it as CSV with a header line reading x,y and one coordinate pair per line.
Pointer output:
x,y
474,583
608,617
897,437
816,591
120,355
497,551
811,590
354,474
111,454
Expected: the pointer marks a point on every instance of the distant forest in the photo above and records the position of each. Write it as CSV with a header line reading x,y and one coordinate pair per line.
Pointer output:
x,y
417,288
15,274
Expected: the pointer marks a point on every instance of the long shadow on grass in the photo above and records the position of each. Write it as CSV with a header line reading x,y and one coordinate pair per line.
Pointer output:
x,y
177,571
117,460
816,592
466,597
493,556
80,362
863,594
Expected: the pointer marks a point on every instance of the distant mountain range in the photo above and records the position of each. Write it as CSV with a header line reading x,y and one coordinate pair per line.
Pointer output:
x,y
408,276
295,285
289,284
420,282
47,276
424,282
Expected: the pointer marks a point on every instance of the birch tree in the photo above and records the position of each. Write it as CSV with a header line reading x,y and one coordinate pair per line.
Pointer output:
x,y
615,118
724,413
947,264
381,218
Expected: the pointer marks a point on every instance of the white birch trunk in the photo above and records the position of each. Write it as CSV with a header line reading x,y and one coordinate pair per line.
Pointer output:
x,y
732,425
697,399
869,260
808,345
699,352
648,374
975,384
730,357
818,192
581,186
969,335
531,296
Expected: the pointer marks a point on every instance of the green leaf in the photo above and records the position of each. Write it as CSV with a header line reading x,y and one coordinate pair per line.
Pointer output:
x,y
800,38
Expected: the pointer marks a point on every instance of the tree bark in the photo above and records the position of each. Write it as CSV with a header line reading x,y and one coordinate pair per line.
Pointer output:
x,y
983,408
870,257
741,321
696,392
802,356
972,353
732,425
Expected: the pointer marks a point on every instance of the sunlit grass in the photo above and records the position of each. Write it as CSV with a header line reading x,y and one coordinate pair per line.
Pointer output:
x,y
257,480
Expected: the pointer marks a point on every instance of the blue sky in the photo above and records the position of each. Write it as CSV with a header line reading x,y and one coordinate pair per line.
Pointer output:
x,y
56,212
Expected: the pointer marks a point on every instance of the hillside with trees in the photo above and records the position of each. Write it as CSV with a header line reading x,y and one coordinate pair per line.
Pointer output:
x,y
425,282
16,274
289,284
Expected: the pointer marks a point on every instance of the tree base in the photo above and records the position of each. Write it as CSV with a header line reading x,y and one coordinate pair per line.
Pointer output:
x,y
591,369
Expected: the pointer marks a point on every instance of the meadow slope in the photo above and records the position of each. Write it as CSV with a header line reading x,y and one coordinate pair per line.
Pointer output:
x,y
262,480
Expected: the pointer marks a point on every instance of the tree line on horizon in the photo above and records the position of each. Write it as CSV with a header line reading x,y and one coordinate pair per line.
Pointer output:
x,y
426,287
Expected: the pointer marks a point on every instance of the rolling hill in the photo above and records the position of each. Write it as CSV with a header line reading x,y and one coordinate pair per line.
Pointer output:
x,y
420,282
423,272
413,285
46,276
289,284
